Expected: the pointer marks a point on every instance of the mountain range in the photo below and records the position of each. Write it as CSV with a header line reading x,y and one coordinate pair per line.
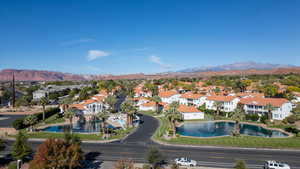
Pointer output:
x,y
240,68
237,66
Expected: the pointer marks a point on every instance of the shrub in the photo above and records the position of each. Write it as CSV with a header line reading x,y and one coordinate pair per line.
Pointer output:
x,y
291,119
293,130
124,164
146,166
18,124
240,164
252,117
12,165
263,119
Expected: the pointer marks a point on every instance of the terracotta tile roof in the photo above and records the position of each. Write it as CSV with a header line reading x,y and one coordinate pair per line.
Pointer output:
x,y
77,106
276,102
296,94
167,93
89,101
103,93
185,109
250,94
139,98
190,95
200,84
151,104
99,98
221,98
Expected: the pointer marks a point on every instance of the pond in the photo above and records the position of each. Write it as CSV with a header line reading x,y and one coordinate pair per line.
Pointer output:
x,y
86,127
214,129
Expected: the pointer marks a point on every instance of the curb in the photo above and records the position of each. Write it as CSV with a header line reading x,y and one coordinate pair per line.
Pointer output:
x,y
220,147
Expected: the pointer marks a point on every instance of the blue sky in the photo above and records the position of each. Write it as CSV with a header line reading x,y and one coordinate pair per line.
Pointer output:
x,y
132,36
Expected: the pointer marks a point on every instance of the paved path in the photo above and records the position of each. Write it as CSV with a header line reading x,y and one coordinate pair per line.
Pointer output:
x,y
136,146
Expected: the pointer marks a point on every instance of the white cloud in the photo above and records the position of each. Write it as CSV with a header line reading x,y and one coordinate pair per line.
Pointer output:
x,y
157,60
96,54
77,41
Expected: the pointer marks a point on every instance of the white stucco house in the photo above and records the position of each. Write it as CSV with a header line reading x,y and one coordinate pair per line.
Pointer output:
x,y
190,112
169,96
282,107
228,103
91,106
191,99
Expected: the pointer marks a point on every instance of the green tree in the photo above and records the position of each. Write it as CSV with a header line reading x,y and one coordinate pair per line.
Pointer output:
x,y
21,149
173,115
157,100
240,164
270,90
2,145
44,102
269,107
103,116
69,114
154,157
129,108
30,120
218,105
111,101
238,116
57,154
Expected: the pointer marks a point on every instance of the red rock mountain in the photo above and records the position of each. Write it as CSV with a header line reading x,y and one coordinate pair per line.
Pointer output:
x,y
38,75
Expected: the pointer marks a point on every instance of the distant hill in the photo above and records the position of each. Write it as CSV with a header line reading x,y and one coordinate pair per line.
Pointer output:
x,y
244,68
37,75
237,66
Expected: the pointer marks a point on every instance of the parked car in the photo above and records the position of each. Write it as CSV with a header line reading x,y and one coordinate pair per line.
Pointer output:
x,y
275,165
184,161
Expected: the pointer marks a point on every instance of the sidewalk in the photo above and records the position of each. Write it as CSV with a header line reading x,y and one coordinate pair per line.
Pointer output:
x,y
110,165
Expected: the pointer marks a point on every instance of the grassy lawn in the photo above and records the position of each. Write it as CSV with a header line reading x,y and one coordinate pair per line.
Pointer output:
x,y
243,141
54,119
119,134
229,141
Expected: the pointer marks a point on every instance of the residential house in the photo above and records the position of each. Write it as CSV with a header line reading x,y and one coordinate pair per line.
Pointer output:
x,y
169,96
190,112
282,107
151,106
228,103
192,99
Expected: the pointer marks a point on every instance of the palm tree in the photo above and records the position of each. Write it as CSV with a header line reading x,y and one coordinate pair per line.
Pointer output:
x,y
30,120
270,108
103,116
157,100
218,105
69,114
238,116
43,102
129,108
173,116
111,101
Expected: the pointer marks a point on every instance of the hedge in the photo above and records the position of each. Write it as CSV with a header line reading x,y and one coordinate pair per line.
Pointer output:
x,y
19,123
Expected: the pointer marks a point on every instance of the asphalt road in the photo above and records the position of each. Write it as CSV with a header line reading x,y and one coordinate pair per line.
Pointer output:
x,y
7,120
137,144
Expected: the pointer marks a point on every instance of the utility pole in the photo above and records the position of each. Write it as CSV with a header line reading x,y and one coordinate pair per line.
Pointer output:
x,y
13,91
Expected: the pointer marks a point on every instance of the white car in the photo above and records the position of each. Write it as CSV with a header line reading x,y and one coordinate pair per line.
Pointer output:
x,y
184,161
275,165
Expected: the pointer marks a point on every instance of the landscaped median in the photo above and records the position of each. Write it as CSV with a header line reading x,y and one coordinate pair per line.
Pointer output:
x,y
120,134
226,141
